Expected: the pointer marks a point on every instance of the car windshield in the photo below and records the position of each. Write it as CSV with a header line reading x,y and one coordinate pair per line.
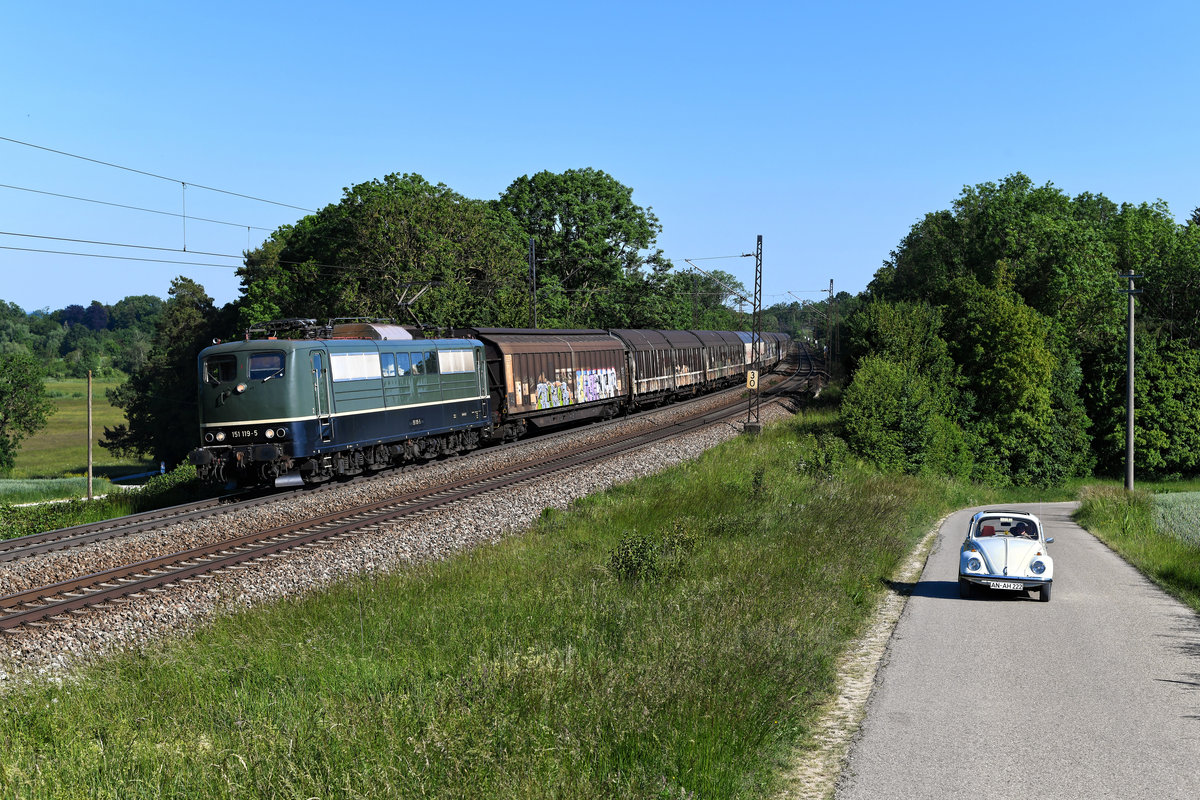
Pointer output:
x,y
1006,526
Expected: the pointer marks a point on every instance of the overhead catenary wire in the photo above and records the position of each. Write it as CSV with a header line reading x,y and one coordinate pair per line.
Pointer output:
x,y
156,175
132,208
118,244
184,216
114,257
325,268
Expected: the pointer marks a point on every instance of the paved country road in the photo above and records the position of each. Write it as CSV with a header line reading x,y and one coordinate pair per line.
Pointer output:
x,y
1094,694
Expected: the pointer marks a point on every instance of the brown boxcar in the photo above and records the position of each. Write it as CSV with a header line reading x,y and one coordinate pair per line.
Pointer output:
x,y
663,363
725,357
548,377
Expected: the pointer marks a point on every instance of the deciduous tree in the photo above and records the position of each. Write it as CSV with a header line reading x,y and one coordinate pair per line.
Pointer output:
x,y
589,235
159,399
24,406
357,258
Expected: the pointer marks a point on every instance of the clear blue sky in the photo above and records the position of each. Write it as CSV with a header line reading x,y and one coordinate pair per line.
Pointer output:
x,y
829,128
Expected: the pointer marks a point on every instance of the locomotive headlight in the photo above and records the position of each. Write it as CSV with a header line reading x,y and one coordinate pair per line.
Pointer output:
x,y
208,437
270,434
281,433
241,387
220,436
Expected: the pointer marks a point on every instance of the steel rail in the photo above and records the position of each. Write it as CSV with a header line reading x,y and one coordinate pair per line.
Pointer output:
x,y
96,589
76,535
88,533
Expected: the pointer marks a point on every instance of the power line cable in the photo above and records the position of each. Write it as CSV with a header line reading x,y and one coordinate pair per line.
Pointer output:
x,y
323,268
154,175
118,244
117,258
718,258
132,208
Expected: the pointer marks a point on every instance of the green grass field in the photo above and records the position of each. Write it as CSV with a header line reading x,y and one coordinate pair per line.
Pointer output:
x,y
1154,532
60,449
671,638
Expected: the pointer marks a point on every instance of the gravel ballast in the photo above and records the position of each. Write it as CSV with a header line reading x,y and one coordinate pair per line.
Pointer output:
x,y
53,650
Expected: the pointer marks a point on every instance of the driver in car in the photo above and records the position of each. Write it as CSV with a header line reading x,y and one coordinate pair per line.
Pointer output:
x,y
1024,530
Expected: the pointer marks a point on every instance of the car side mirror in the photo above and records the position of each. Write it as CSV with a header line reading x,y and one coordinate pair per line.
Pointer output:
x,y
1049,540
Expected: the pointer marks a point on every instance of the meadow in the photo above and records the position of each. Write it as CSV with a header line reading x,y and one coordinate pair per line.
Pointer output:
x,y
672,637
49,459
1154,532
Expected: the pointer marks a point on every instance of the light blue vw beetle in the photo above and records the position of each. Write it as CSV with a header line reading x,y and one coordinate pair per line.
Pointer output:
x,y
1005,550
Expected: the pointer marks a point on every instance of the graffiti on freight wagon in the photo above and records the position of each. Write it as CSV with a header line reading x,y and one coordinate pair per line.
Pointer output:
x,y
595,384
552,394
590,385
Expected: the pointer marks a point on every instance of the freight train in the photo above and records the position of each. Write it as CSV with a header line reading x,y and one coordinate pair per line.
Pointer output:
x,y
300,403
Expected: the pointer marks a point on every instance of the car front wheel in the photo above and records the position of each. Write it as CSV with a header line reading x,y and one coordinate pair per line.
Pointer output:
x,y
1044,594
965,589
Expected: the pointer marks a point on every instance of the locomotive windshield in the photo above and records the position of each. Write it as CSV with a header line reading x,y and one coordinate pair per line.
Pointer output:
x,y
264,366
220,369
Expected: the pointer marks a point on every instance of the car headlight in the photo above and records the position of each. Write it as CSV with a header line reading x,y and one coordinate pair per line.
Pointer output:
x,y
974,564
1037,567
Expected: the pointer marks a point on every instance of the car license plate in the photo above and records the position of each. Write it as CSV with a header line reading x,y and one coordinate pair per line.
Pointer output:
x,y
1006,585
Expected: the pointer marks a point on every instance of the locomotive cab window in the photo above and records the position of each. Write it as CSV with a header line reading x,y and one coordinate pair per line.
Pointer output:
x,y
387,365
220,369
264,366
403,364
430,367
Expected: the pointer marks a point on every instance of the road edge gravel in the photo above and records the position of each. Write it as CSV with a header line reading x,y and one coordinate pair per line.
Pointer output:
x,y
816,771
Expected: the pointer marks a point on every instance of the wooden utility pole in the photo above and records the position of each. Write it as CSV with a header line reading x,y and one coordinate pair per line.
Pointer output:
x,y
1131,291
89,471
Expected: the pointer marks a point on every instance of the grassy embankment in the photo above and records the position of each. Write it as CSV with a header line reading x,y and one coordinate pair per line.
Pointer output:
x,y
1157,533
52,464
670,638
178,486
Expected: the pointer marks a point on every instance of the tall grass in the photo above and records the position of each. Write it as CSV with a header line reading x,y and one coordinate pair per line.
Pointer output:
x,y
1151,532
1178,516
34,490
668,638
178,486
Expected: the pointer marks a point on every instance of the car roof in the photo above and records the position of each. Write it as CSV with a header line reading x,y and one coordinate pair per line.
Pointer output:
x,y
1003,512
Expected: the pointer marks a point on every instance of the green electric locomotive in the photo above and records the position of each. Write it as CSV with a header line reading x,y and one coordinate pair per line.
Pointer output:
x,y
341,400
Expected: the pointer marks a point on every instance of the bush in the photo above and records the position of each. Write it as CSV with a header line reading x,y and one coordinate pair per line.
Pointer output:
x,y
635,558
822,455
893,417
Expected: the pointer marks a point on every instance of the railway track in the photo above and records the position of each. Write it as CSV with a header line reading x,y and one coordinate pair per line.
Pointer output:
x,y
78,535
40,605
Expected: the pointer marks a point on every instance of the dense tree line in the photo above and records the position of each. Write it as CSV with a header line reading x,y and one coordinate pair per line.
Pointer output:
x,y
109,340
368,255
991,343
597,263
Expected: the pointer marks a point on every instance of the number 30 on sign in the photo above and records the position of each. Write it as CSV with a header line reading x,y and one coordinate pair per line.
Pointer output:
x,y
752,379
